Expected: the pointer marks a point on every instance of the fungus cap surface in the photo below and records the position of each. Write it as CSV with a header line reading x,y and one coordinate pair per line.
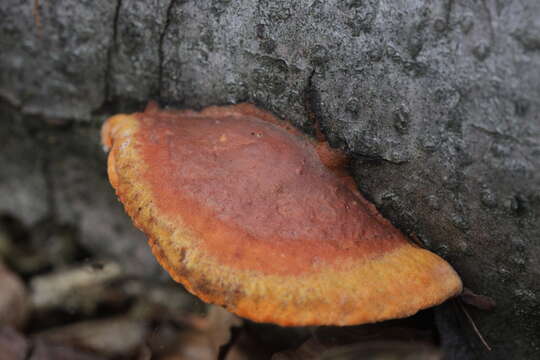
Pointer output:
x,y
248,213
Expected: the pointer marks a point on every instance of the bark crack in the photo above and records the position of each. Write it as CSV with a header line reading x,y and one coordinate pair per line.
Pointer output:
x,y
448,12
311,100
110,51
161,54
313,112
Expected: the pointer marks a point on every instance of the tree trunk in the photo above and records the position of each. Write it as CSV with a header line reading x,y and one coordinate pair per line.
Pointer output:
x,y
436,102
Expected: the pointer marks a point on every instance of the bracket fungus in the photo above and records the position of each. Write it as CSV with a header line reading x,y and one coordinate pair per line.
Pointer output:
x,y
249,213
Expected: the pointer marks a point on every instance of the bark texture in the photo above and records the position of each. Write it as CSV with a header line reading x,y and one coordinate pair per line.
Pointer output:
x,y
436,101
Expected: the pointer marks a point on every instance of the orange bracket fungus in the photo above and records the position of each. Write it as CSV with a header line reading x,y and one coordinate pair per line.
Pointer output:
x,y
248,213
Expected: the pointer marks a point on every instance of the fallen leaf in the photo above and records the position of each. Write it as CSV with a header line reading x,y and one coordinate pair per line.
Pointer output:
x,y
12,344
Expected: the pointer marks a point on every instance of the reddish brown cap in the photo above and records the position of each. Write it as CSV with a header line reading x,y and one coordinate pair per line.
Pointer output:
x,y
249,213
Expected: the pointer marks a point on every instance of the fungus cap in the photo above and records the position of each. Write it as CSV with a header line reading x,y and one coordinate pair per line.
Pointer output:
x,y
248,213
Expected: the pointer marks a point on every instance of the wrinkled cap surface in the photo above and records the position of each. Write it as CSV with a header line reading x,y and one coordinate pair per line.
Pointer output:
x,y
248,213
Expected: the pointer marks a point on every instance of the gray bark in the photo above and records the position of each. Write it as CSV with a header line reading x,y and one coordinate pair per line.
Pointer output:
x,y
437,102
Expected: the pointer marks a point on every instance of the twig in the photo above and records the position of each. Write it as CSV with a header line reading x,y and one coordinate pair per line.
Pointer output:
x,y
473,325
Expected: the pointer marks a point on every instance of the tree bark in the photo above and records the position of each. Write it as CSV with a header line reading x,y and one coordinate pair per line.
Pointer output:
x,y
436,102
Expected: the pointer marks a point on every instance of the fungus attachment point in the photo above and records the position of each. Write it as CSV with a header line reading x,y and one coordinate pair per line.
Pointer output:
x,y
249,213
